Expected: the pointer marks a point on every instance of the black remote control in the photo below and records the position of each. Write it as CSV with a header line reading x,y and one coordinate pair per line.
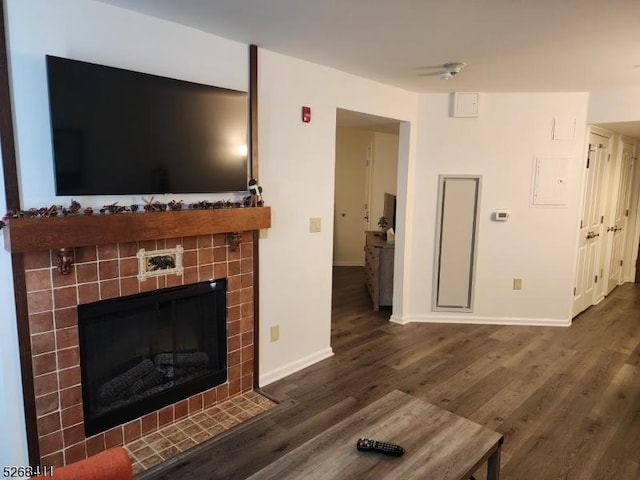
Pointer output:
x,y
366,445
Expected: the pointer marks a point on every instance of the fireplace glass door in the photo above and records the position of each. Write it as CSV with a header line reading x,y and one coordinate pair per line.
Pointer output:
x,y
146,351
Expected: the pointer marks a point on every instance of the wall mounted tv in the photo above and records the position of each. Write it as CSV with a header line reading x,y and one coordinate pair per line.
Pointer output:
x,y
116,131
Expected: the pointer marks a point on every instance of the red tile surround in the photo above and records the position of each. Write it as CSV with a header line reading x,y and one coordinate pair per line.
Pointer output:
x,y
106,271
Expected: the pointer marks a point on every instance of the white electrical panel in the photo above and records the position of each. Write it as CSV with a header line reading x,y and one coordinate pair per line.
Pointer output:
x,y
465,104
550,182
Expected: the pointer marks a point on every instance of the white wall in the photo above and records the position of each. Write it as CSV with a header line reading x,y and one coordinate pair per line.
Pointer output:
x,y
622,105
13,443
296,159
297,168
99,33
384,175
536,244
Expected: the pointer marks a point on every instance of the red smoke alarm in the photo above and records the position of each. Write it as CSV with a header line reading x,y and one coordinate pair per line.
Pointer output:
x,y
306,114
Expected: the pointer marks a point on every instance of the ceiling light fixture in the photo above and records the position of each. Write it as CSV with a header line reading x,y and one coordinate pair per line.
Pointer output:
x,y
451,70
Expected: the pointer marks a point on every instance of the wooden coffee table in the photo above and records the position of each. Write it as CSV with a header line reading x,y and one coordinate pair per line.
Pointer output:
x,y
439,446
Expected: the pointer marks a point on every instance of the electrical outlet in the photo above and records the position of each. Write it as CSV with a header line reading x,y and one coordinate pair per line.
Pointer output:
x,y
517,284
275,333
315,225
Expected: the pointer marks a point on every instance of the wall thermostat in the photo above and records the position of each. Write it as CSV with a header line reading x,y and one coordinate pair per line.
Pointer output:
x,y
501,215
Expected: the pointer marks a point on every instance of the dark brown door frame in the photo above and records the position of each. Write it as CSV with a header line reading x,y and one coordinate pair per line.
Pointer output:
x,y
12,197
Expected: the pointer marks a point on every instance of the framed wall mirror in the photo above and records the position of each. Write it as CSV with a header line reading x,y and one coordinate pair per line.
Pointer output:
x,y
456,242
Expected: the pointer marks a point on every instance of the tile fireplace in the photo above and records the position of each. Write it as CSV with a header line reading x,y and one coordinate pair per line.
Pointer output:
x,y
110,271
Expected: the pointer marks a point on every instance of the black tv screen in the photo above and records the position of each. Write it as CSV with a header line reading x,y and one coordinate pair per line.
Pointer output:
x,y
116,131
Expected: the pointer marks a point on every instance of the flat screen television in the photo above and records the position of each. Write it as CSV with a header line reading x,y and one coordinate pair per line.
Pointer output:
x,y
116,131
389,209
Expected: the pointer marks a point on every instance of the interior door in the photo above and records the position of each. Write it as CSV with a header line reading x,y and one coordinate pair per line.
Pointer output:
x,y
586,292
618,228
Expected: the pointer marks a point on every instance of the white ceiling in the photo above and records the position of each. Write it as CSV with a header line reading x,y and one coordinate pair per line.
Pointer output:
x,y
508,45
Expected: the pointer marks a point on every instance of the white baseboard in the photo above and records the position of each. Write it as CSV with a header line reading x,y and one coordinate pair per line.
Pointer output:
x,y
346,263
278,373
524,321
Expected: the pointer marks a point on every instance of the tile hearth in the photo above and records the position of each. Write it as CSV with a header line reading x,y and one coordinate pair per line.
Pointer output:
x,y
152,449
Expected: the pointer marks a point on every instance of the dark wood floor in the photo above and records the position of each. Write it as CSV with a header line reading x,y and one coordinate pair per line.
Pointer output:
x,y
566,399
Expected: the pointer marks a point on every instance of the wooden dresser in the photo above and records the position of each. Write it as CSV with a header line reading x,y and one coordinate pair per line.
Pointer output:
x,y
378,267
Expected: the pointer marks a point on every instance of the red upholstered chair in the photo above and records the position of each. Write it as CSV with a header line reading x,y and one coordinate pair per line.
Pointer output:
x,y
112,464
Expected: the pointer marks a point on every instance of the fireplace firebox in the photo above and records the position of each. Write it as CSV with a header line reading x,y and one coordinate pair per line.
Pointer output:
x,y
142,352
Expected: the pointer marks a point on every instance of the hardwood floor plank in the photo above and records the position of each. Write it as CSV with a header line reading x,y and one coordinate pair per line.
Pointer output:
x,y
566,399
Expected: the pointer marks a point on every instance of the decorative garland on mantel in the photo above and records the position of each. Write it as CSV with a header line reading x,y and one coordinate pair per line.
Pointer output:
x,y
252,200
149,206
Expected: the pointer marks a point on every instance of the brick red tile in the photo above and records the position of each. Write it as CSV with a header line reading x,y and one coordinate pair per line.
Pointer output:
x,y
72,416
222,392
109,289
65,297
246,280
246,250
189,243
67,317
165,416
87,272
205,256
47,403
205,272
172,242
33,260
49,423
107,252
209,398
70,396
234,358
45,363
85,254
219,239
246,265
45,384
54,460
233,313
128,267
181,409
220,254
67,338
128,249
132,431
233,328
234,387
95,444
72,435
234,343
60,280
41,322
38,280
69,377
247,354
233,298
68,357
246,295
129,286
205,241
148,245
75,453
195,404
233,268
51,443
246,312
43,343
113,437
88,293
108,269
149,423
149,284
41,301
220,270
234,283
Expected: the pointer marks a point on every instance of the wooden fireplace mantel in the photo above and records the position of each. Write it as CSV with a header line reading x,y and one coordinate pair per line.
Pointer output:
x,y
23,235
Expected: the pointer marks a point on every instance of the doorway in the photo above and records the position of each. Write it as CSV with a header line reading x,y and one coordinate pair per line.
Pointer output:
x,y
366,171
608,217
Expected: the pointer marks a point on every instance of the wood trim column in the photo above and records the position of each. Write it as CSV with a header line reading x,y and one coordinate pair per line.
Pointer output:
x,y
253,149
12,195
